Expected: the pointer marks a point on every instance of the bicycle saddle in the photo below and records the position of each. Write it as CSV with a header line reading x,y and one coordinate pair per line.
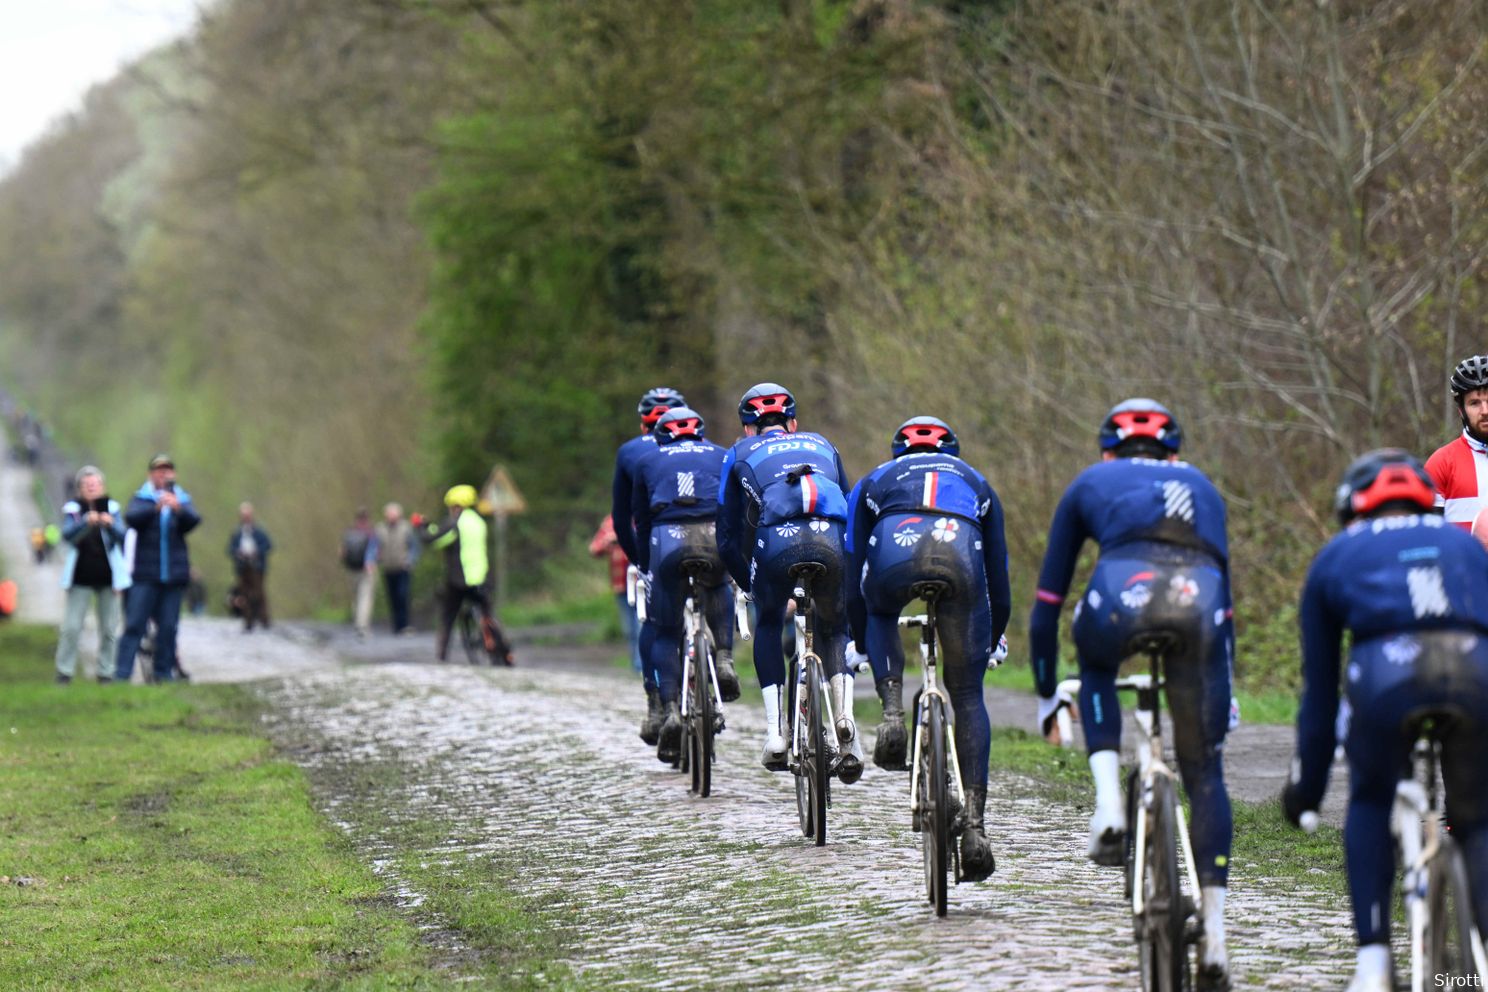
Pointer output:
x,y
807,570
1155,643
930,590
698,565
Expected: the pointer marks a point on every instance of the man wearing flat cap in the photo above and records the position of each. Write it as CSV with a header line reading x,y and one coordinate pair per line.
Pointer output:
x,y
162,515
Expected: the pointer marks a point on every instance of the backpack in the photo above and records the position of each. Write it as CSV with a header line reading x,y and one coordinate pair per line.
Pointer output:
x,y
354,542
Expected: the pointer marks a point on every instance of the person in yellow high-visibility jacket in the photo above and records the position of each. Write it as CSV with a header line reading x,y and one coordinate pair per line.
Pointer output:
x,y
462,537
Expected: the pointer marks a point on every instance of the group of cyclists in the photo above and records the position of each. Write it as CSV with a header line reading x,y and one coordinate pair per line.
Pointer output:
x,y
1410,589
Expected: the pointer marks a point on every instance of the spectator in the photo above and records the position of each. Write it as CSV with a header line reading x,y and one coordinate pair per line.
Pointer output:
x,y
249,549
162,515
94,573
395,549
605,543
356,556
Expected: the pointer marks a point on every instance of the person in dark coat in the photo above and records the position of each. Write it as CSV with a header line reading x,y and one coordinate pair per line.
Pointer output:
x,y
249,548
162,515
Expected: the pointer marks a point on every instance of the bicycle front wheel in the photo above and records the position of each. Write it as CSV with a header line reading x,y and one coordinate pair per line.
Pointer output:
x,y
470,636
1448,948
935,834
1164,955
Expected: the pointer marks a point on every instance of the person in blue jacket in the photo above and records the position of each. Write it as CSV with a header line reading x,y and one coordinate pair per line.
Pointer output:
x,y
927,515
1163,566
783,503
1412,591
654,402
161,514
676,499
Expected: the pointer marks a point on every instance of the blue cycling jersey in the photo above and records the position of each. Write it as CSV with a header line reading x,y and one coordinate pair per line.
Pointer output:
x,y
772,478
627,460
676,480
936,485
1138,503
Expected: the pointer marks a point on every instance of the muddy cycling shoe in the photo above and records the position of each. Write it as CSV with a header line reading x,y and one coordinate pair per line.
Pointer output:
x,y
669,740
728,679
1108,838
1216,978
651,722
892,745
849,765
977,862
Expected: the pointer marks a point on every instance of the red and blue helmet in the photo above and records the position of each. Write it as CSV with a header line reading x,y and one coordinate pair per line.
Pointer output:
x,y
767,397
1378,478
925,434
658,401
677,423
1140,417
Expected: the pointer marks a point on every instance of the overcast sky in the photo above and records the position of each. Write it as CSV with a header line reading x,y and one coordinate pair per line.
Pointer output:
x,y
52,51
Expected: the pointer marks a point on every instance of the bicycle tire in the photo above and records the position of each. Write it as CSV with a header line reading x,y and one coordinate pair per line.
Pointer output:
x,y
702,715
470,636
935,837
1133,790
803,789
1161,947
818,768
1449,918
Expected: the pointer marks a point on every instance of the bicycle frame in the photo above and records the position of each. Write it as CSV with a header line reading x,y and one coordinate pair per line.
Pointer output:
x,y
694,623
804,650
926,622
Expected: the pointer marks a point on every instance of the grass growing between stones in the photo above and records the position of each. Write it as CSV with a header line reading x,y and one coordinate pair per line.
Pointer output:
x,y
150,839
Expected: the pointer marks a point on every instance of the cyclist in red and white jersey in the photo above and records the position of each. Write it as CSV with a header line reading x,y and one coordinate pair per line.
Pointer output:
x,y
1459,468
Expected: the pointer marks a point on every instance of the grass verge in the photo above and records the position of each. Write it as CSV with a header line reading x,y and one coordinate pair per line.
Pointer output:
x,y
152,840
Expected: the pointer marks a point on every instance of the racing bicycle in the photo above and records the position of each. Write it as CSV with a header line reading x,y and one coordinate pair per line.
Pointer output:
x,y
936,798
1164,913
810,755
702,706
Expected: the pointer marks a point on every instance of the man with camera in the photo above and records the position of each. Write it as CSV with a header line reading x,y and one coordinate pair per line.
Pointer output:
x,y
161,515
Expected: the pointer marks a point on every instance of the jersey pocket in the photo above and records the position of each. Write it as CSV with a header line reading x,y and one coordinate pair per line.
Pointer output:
x,y
806,495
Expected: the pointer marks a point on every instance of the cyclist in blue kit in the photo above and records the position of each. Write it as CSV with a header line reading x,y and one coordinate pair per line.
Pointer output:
x,y
1412,590
653,404
1164,565
927,515
675,502
782,504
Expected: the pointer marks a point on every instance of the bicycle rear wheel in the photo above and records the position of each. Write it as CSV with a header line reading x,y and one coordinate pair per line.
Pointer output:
x,y
935,837
796,712
1449,920
470,636
1160,944
702,717
818,767
1133,791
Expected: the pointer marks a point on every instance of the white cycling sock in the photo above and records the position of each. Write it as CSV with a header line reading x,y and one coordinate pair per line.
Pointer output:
x,y
772,710
1212,903
1373,961
1105,768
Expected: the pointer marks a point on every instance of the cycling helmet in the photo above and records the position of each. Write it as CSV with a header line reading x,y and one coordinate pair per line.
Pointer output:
x,y
921,433
675,424
461,495
658,401
1471,373
767,397
1388,475
1140,417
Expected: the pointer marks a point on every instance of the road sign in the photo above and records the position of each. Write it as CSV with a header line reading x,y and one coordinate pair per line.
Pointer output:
x,y
501,494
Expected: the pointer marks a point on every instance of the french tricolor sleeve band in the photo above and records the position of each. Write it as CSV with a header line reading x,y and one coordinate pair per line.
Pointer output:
x,y
1045,596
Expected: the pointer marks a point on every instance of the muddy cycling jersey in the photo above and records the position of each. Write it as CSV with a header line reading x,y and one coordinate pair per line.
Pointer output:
x,y
627,460
1413,592
674,481
1127,501
1459,470
771,479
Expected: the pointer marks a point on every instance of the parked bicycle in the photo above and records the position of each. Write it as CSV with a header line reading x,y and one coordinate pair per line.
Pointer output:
x,y
812,751
702,702
936,798
1446,948
1164,915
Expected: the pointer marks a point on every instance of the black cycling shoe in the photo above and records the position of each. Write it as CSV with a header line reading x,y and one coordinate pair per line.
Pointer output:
x,y
849,768
976,851
1212,978
1109,849
651,722
892,746
728,679
669,740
